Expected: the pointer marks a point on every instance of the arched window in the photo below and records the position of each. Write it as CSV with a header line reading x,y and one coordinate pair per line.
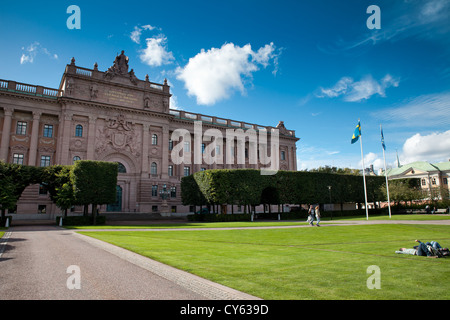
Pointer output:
x,y
154,168
76,158
79,130
122,168
154,139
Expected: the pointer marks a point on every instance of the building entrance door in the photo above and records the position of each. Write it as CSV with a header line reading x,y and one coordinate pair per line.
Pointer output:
x,y
117,206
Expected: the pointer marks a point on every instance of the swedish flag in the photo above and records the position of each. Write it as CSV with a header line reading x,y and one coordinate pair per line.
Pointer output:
x,y
357,133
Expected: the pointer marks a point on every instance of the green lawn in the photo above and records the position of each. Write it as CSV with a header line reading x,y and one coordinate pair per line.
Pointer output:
x,y
302,263
256,223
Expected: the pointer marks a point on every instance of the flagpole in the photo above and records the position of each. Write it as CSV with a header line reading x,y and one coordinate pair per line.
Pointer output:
x,y
385,174
364,177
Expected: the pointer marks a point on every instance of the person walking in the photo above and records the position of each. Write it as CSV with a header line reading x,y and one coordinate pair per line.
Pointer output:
x,y
317,211
311,215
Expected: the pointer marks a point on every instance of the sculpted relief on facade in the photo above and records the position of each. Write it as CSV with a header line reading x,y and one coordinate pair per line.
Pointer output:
x,y
120,135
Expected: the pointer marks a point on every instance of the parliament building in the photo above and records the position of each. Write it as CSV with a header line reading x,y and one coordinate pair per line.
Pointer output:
x,y
114,116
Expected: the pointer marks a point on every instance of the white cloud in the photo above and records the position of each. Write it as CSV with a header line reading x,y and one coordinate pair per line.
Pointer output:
x,y
156,54
434,147
32,50
212,75
135,35
360,90
431,110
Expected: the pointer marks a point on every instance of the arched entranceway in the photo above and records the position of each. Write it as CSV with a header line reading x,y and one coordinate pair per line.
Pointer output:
x,y
116,206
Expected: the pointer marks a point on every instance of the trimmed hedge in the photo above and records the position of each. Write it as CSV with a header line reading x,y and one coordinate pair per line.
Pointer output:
x,y
208,217
81,220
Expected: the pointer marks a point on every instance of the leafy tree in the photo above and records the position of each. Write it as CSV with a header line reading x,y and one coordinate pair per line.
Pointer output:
x,y
94,182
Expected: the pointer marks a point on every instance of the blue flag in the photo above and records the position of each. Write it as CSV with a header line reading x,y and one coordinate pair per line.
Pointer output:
x,y
357,133
382,139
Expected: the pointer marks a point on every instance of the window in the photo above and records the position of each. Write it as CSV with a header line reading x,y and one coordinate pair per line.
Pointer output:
x,y
187,171
42,208
187,146
154,208
154,139
154,191
433,181
444,181
217,150
170,171
203,148
283,155
170,144
154,168
76,158
173,192
79,130
202,169
43,189
424,182
174,209
121,168
21,128
45,161
18,158
48,130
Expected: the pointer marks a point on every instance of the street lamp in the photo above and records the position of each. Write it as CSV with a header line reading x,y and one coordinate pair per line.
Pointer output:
x,y
164,194
329,190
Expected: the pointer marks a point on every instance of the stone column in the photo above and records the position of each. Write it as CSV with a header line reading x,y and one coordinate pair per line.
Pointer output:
x,y
145,142
64,160
4,146
34,139
165,153
91,138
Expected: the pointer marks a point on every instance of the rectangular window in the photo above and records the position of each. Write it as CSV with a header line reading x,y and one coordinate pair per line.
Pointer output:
x,y
18,158
187,147
444,180
170,144
21,128
203,148
154,208
187,171
154,191
48,131
42,208
45,161
283,155
170,171
173,192
43,189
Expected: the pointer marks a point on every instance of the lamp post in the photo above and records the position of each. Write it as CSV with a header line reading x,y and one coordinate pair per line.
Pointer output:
x,y
164,194
329,190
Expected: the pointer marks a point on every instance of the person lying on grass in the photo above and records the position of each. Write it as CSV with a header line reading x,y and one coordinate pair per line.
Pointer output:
x,y
430,249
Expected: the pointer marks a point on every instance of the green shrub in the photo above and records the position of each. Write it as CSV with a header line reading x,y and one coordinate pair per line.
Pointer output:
x,y
81,220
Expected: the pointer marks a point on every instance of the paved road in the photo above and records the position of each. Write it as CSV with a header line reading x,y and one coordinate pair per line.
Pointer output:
x,y
34,262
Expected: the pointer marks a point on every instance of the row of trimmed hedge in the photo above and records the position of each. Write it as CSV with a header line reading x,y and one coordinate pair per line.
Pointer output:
x,y
81,220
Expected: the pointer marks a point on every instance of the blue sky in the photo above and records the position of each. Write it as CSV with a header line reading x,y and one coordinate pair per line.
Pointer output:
x,y
313,64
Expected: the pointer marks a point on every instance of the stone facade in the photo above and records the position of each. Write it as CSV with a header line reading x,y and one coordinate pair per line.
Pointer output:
x,y
113,116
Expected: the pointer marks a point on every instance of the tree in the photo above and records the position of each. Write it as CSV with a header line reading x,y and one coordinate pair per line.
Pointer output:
x,y
94,182
14,179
